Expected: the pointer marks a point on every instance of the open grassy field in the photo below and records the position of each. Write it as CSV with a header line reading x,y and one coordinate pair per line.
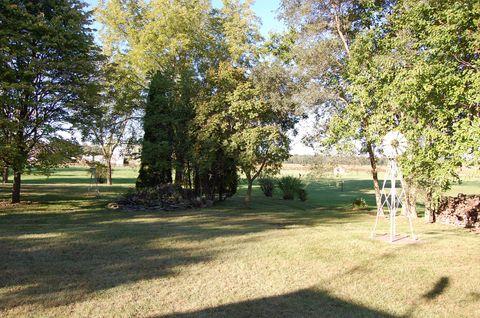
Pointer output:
x,y
65,254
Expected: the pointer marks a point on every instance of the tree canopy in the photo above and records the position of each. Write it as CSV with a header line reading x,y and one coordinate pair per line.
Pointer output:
x,y
217,99
46,69
419,72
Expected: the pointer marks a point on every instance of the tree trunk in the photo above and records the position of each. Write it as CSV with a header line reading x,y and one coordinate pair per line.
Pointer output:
x,y
189,175
178,176
220,191
179,167
429,213
109,171
196,182
5,175
17,179
373,165
248,196
410,199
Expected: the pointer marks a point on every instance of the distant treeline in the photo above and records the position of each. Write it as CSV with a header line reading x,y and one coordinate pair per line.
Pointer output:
x,y
331,160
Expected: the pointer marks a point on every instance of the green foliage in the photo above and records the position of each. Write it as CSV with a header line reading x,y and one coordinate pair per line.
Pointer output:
x,y
262,110
200,51
54,153
46,66
325,32
220,107
107,120
157,148
406,65
267,184
215,166
99,171
149,36
429,48
302,195
359,203
291,186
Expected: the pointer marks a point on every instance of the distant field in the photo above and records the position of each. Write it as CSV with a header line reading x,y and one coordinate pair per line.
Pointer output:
x,y
80,175
64,254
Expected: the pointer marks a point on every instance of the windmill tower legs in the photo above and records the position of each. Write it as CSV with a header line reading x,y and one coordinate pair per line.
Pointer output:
x,y
392,200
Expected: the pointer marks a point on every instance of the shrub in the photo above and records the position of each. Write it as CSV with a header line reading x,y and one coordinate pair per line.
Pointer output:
x,y
99,171
290,186
359,203
302,194
267,184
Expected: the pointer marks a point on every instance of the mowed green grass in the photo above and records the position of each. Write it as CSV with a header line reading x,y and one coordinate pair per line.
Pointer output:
x,y
65,254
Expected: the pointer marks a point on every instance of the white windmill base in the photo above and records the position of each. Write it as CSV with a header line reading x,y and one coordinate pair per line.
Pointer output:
x,y
393,201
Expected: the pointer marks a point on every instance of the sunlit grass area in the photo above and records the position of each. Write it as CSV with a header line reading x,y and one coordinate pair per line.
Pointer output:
x,y
65,254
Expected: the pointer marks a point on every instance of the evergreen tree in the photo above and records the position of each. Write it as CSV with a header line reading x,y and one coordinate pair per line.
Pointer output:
x,y
157,147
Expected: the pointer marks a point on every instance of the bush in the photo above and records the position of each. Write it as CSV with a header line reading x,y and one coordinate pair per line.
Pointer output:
x,y
290,186
302,195
359,203
99,171
267,184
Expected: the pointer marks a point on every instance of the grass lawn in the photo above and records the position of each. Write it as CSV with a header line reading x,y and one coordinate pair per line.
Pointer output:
x,y
64,254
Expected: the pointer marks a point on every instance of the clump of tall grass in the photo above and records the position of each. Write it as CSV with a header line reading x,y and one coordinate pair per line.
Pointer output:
x,y
267,184
292,186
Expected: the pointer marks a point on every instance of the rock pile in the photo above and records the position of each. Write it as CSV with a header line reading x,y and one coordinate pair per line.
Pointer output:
x,y
167,197
462,210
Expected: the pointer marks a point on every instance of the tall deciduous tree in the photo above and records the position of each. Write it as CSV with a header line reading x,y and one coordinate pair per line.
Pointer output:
x,y
261,111
111,115
326,30
215,167
422,69
186,44
46,62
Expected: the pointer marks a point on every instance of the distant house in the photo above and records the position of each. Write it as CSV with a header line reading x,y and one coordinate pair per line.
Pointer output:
x,y
122,155
338,171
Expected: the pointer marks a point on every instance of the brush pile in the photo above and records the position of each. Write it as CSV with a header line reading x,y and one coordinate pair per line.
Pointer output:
x,y
462,210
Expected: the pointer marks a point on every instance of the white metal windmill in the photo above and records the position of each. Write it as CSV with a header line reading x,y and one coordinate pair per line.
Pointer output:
x,y
394,145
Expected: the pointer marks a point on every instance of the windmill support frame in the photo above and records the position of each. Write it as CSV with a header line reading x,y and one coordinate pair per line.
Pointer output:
x,y
392,201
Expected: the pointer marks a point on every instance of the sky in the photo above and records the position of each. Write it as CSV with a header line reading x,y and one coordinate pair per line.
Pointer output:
x,y
266,10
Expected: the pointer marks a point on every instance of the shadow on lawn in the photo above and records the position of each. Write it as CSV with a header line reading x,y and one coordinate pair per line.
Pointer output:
x,y
308,303
74,179
303,303
61,263
438,289
58,258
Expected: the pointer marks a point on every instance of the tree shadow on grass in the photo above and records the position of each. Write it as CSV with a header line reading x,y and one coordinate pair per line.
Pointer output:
x,y
303,303
60,264
62,257
74,179
307,303
58,258
438,289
